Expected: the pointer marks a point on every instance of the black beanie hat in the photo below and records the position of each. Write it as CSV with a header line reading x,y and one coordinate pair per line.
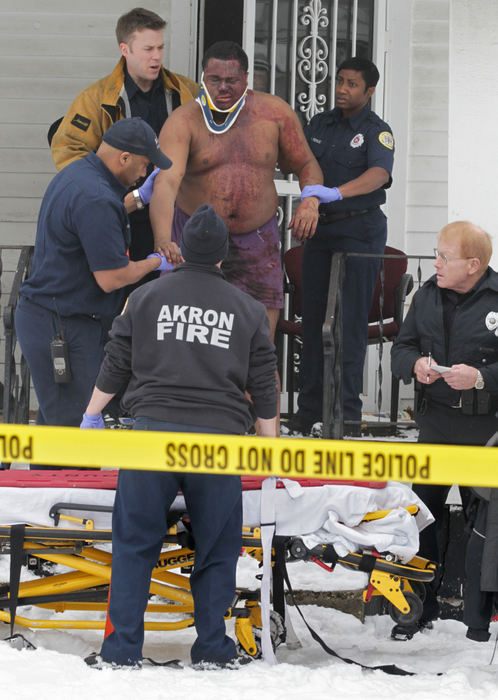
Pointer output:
x,y
204,237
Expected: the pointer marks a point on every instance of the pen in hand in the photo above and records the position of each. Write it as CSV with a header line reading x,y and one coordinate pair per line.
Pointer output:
x,y
428,376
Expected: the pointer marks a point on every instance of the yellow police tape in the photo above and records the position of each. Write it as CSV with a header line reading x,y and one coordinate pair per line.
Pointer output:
x,y
244,455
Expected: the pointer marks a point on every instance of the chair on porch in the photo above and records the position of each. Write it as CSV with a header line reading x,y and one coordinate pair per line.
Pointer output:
x,y
386,314
385,318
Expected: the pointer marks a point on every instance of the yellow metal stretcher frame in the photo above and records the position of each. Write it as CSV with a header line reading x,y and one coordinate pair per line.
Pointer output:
x,y
91,571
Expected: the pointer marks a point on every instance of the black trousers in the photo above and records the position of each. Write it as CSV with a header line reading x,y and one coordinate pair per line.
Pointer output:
x,y
60,404
478,604
362,234
443,425
139,523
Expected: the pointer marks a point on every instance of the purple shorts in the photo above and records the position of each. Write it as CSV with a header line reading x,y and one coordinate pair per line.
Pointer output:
x,y
253,263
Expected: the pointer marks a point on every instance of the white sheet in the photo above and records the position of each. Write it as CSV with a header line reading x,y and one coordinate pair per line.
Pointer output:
x,y
331,513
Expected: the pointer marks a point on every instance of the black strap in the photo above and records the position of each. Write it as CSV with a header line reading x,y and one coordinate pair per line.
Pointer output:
x,y
16,558
174,663
330,218
390,668
278,592
367,563
18,641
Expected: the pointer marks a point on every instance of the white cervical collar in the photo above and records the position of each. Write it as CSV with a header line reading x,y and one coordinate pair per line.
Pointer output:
x,y
206,103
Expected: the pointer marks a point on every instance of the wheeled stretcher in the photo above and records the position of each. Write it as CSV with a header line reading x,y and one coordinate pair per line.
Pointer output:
x,y
58,524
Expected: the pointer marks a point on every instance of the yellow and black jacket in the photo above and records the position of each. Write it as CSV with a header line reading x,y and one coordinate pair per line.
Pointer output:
x,y
100,105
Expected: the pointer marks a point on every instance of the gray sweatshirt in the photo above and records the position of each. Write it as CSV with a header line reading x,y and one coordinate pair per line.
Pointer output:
x,y
189,345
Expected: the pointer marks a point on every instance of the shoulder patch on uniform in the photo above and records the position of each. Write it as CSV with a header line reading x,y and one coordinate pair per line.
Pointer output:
x,y
386,139
81,122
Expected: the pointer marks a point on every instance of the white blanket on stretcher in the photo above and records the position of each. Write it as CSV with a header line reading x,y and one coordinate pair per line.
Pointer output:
x,y
333,514
319,514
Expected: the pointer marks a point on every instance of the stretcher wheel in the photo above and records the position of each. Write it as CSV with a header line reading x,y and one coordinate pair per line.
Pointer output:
x,y
278,632
297,549
419,589
413,615
278,635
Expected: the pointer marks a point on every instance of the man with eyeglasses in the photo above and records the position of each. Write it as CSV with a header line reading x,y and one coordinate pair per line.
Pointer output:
x,y
449,343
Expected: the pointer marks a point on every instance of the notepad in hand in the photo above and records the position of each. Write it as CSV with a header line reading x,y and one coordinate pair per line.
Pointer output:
x,y
440,368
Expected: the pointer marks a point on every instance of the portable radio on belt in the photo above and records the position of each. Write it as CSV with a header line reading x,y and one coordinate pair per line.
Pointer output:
x,y
59,353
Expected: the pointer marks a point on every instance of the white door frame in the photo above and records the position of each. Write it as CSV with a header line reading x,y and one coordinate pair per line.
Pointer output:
x,y
183,40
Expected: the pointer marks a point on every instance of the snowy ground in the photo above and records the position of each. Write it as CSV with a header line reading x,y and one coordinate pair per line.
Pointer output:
x,y
466,668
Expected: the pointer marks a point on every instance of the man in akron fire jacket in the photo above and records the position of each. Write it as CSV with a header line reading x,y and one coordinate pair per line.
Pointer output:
x,y
188,346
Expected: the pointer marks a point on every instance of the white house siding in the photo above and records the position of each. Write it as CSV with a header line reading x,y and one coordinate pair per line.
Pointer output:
x,y
473,137
427,163
427,182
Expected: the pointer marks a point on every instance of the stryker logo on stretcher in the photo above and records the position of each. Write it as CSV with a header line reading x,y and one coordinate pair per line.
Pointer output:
x,y
191,324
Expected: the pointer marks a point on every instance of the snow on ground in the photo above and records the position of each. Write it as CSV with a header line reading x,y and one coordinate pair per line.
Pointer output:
x,y
466,668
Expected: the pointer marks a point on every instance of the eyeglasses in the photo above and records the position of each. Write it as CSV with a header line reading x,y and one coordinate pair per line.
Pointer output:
x,y
445,259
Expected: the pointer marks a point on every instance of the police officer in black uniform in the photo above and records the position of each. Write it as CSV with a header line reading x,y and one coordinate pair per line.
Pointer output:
x,y
355,150
449,343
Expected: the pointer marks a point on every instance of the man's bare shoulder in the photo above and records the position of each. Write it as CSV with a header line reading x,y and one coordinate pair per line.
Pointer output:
x,y
273,105
188,109
268,98
184,118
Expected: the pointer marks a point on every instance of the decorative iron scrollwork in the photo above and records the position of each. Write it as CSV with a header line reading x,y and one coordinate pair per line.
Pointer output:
x,y
312,54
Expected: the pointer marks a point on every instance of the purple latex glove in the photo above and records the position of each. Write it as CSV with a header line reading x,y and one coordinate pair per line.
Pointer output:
x,y
145,191
165,266
95,422
324,194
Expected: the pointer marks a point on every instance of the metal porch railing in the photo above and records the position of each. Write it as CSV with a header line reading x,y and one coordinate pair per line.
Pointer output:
x,y
333,416
16,372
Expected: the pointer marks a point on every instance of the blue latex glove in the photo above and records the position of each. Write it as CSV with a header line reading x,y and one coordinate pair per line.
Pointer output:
x,y
324,194
165,266
145,191
95,422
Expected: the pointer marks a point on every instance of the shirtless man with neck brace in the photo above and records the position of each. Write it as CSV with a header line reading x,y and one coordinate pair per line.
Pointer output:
x,y
225,146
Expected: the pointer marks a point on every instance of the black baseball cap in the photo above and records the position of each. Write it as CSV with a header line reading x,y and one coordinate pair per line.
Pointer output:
x,y
136,136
